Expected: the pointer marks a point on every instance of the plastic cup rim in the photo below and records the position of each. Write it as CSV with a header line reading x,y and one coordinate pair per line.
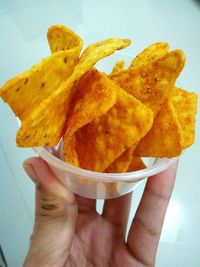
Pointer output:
x,y
159,165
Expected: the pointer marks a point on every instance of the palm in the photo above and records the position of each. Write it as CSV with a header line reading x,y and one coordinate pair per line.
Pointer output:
x,y
97,242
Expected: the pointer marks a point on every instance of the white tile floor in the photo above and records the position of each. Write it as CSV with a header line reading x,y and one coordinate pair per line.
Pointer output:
x,y
23,26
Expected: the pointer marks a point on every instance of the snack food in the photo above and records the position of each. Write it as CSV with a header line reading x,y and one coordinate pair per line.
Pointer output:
x,y
150,80
26,92
119,65
150,55
93,89
121,164
107,122
124,124
165,137
185,105
173,128
45,125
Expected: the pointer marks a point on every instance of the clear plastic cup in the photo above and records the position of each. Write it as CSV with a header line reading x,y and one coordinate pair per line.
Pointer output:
x,y
98,185
101,185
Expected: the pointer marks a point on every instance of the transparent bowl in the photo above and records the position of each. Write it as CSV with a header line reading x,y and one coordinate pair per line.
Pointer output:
x,y
98,185
94,184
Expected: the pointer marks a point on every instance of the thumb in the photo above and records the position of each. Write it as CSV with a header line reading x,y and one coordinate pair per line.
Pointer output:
x,y
55,217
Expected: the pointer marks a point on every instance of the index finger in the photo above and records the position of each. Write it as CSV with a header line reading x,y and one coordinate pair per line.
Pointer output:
x,y
144,234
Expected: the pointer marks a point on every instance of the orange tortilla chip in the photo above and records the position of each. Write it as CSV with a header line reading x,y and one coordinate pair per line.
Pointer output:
x,y
185,105
165,137
151,83
119,65
102,49
103,140
149,55
25,92
121,164
61,38
45,125
126,162
94,95
136,165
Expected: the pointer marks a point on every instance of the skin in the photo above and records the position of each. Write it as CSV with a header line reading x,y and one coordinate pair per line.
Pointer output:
x,y
68,232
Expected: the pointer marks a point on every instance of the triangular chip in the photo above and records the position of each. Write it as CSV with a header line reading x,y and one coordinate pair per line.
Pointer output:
x,y
185,105
149,55
126,162
122,163
103,49
136,164
45,124
94,95
152,82
62,38
119,65
165,137
26,91
100,142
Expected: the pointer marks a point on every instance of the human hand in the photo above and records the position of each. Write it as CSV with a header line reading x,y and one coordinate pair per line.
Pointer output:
x,y
68,231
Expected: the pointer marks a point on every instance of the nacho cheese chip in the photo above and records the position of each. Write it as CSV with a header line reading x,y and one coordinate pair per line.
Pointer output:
x,y
126,162
119,65
94,95
62,38
25,92
121,164
136,164
165,137
100,142
46,123
44,126
151,83
149,55
107,122
185,105
103,48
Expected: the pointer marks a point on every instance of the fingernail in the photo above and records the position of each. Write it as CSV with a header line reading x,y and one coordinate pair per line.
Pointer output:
x,y
31,172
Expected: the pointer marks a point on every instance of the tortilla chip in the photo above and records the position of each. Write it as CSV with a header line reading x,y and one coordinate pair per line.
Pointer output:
x,y
126,162
149,55
72,156
151,83
136,165
119,65
103,48
164,140
61,38
121,164
185,105
25,92
94,95
45,125
103,140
